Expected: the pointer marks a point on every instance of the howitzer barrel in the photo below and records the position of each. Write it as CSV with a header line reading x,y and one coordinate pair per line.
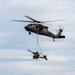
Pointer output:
x,y
31,51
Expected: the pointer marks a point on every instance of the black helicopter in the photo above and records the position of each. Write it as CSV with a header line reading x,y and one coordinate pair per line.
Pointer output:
x,y
38,28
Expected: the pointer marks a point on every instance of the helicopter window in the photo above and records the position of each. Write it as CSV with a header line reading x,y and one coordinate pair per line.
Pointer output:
x,y
40,28
45,30
33,26
36,27
30,25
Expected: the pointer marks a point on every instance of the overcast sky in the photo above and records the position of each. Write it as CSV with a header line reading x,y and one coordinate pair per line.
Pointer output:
x,y
15,40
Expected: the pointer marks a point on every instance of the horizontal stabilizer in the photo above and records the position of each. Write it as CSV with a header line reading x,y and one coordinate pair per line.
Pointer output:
x,y
61,36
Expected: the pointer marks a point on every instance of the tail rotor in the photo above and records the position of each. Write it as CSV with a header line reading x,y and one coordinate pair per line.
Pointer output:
x,y
60,29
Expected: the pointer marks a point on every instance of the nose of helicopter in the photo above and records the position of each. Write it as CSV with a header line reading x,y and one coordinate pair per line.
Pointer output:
x,y
26,27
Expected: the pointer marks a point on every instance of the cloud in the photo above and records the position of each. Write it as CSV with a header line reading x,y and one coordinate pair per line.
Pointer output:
x,y
15,59
15,53
53,45
3,37
20,62
7,3
25,67
58,58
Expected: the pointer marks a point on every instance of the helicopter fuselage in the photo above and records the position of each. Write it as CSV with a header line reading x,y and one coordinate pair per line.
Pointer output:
x,y
38,29
42,30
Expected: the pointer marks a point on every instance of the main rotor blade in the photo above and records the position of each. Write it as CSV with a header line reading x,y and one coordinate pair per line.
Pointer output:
x,y
44,21
54,20
33,19
30,18
22,21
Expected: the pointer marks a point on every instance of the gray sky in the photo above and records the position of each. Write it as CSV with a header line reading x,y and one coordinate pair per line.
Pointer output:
x,y
15,41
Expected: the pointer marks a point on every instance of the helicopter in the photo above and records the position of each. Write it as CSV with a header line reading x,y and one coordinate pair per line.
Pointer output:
x,y
38,27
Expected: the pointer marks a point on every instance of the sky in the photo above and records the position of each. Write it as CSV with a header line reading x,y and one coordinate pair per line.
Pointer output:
x,y
15,40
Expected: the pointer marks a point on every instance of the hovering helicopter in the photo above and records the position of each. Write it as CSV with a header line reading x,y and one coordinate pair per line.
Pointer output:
x,y
38,28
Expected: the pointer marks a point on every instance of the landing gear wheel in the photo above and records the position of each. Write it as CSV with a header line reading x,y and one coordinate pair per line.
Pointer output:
x,y
29,33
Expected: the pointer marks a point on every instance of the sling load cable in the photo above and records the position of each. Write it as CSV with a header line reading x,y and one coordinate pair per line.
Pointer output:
x,y
38,46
